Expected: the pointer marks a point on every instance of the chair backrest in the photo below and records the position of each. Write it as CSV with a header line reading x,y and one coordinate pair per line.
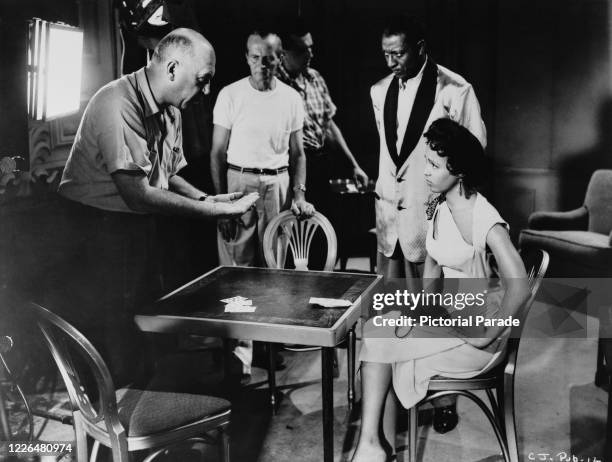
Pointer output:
x,y
598,201
536,264
69,348
285,231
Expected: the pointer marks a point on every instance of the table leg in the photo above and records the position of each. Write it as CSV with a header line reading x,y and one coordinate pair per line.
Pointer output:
x,y
228,357
350,360
327,365
272,375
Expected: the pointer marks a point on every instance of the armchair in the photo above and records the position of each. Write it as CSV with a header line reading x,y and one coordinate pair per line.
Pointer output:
x,y
578,241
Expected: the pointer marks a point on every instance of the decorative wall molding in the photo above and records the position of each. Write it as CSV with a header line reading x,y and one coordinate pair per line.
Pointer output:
x,y
63,131
49,147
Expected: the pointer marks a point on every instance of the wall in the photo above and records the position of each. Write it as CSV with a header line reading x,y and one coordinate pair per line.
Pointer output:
x,y
541,71
552,120
27,250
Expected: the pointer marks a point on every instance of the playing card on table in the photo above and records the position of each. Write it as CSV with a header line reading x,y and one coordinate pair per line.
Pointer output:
x,y
240,308
330,302
235,299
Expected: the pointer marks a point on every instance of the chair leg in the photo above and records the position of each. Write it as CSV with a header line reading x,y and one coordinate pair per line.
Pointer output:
x,y
496,408
343,262
272,374
81,438
94,451
350,359
509,422
601,376
490,417
4,421
224,445
412,433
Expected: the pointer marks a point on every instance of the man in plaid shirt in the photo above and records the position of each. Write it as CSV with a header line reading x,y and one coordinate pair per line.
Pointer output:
x,y
319,126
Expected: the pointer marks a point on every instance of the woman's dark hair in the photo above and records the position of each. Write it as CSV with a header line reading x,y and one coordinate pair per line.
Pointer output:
x,y
464,154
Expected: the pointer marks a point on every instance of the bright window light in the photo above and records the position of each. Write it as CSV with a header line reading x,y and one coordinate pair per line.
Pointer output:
x,y
55,54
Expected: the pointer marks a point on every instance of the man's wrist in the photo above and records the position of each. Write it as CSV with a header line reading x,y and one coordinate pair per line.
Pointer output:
x,y
299,187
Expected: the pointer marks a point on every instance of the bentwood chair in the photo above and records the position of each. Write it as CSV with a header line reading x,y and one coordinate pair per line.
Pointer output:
x,y
9,384
128,419
284,234
500,378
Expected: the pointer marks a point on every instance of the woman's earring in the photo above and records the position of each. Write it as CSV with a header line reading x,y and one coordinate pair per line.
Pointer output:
x,y
460,186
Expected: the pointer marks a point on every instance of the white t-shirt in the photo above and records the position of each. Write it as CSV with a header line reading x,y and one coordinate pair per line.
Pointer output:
x,y
260,123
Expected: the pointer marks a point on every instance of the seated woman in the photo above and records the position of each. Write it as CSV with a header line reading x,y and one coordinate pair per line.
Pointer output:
x,y
462,226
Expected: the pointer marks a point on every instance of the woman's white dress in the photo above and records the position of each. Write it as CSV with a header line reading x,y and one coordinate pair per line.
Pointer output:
x,y
416,358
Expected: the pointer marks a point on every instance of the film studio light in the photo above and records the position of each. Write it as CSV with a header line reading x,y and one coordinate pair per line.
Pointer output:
x,y
55,56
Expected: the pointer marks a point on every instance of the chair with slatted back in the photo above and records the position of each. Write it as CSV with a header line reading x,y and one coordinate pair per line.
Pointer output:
x,y
128,419
500,378
284,234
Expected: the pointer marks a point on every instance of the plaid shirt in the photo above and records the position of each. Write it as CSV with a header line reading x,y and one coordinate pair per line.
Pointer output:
x,y
318,105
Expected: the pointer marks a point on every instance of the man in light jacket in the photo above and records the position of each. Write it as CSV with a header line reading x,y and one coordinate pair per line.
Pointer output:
x,y
417,92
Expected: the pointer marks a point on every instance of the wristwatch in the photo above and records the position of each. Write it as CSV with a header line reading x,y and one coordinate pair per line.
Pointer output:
x,y
300,187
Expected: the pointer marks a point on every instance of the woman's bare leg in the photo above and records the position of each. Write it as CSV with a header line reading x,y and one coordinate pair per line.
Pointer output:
x,y
375,382
389,420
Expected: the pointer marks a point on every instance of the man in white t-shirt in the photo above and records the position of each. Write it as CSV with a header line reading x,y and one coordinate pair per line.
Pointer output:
x,y
257,146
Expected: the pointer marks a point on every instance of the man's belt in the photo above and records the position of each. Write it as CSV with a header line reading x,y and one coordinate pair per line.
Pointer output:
x,y
258,171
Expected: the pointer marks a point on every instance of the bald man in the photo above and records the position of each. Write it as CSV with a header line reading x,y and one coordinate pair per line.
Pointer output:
x,y
123,167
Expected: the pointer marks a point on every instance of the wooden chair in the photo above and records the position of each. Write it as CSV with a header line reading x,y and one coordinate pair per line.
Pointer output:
x,y
286,233
128,419
500,378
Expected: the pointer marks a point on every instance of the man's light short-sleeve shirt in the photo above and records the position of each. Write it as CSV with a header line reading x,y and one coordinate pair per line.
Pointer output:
x,y
260,122
122,128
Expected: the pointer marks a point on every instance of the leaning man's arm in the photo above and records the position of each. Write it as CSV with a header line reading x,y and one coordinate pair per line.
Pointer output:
x,y
144,198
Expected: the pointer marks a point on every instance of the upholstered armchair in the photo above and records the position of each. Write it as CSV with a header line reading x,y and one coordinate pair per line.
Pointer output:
x,y
578,241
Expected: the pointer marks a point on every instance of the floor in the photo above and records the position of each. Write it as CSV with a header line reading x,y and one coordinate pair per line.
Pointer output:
x,y
560,412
